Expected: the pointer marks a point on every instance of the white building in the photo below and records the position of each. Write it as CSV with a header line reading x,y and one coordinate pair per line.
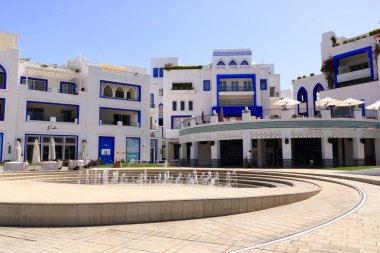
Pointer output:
x,y
104,105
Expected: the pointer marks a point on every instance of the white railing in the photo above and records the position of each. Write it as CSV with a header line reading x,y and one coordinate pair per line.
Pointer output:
x,y
354,75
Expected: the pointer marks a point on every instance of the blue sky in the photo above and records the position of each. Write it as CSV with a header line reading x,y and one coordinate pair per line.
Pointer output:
x,y
123,32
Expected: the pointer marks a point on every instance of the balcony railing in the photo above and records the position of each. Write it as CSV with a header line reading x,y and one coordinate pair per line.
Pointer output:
x,y
235,88
354,75
118,123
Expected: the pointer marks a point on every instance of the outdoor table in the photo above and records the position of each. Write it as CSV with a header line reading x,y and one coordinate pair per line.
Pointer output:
x,y
51,165
15,166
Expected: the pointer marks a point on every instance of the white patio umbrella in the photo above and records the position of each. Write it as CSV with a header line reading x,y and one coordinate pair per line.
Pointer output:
x,y
349,102
327,101
18,152
287,101
83,153
375,106
36,159
52,149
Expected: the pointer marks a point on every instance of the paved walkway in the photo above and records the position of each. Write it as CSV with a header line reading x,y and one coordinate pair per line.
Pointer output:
x,y
360,231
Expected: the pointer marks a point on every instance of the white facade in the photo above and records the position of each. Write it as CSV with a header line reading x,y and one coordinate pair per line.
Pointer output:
x,y
104,105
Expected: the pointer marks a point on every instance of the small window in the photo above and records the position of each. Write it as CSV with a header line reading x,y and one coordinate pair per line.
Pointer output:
x,y
190,105
206,85
155,72
263,84
182,105
161,72
174,106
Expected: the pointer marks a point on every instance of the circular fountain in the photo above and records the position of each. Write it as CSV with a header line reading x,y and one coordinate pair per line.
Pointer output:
x,y
120,196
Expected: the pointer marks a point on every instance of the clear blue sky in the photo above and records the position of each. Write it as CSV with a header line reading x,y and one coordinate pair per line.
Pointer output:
x,y
121,32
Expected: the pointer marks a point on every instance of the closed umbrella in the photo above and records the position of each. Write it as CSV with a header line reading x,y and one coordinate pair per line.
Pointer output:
x,y
36,159
52,149
18,152
375,106
83,154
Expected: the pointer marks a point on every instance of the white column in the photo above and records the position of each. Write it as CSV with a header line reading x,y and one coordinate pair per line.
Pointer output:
x,y
327,153
358,152
215,154
287,161
194,154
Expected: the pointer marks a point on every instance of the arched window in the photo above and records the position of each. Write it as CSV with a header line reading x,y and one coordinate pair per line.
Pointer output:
x,y
232,63
119,93
244,62
3,78
221,64
302,97
107,91
131,94
316,95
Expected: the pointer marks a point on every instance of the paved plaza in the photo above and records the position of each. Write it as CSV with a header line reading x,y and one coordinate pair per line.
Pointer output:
x,y
358,232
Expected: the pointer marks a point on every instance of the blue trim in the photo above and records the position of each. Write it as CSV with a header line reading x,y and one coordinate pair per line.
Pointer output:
x,y
122,109
155,72
336,59
126,84
299,95
5,76
50,103
236,111
126,145
112,150
22,78
252,76
206,85
52,135
73,84
2,116
177,116
244,62
161,72
265,83
316,87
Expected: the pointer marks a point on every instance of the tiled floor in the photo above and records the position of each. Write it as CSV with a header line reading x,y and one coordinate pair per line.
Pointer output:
x,y
360,232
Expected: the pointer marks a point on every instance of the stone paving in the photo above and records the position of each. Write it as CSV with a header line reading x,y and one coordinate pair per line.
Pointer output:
x,y
359,232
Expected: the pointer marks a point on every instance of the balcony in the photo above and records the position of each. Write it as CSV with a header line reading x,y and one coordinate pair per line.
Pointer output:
x,y
52,112
119,117
354,75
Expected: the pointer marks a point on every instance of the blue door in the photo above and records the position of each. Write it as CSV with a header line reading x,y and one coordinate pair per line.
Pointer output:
x,y
106,149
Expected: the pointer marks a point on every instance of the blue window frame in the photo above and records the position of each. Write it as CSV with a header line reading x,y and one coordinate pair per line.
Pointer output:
x,y
174,106
182,105
3,78
35,83
206,85
161,72
190,105
2,109
263,84
67,88
155,72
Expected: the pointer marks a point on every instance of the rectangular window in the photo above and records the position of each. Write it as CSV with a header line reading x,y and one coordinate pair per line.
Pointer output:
x,y
182,105
206,85
155,72
190,105
263,84
67,88
161,72
152,100
174,106
35,83
161,92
